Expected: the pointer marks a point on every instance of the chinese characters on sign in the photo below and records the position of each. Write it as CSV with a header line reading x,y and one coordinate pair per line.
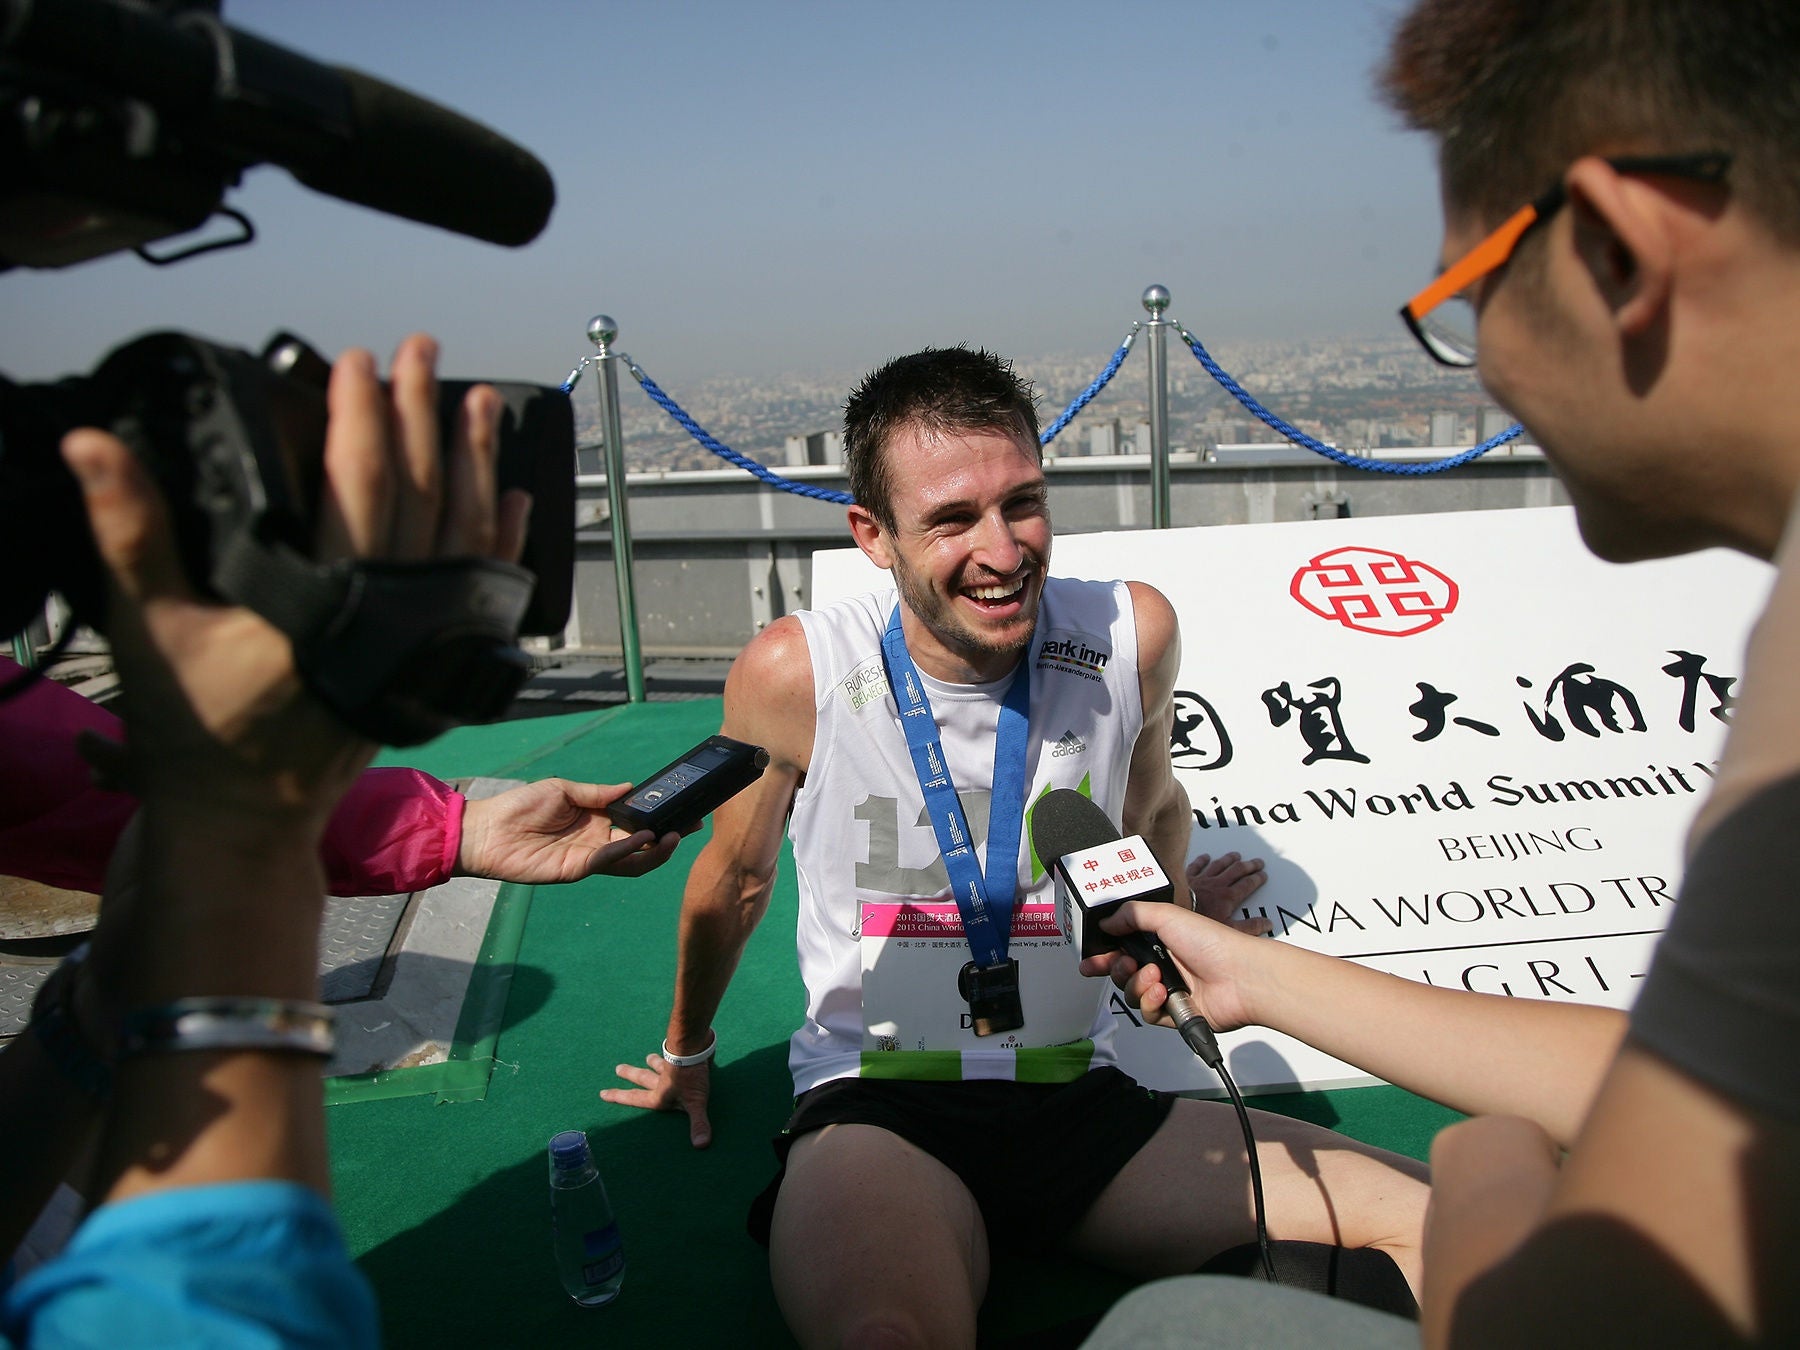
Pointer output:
x,y
1590,704
1386,593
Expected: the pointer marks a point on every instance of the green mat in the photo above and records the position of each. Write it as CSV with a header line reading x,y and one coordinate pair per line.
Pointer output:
x,y
445,1202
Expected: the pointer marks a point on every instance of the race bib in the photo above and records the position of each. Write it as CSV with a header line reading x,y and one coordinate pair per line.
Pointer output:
x,y
912,952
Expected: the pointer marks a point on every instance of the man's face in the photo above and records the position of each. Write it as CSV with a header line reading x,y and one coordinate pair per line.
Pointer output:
x,y
1504,320
1522,355
1550,355
969,547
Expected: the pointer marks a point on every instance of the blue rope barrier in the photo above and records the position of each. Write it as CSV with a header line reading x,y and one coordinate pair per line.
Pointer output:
x,y
574,376
1086,396
767,475
1100,381
1300,438
725,452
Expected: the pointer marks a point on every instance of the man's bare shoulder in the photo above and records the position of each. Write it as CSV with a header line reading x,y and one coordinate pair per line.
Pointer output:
x,y
1158,628
769,693
779,653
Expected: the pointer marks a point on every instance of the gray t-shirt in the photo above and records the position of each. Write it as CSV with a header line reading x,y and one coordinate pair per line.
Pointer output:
x,y
1722,999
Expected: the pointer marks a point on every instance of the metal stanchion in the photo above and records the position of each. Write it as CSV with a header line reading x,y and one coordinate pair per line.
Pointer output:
x,y
1156,300
602,331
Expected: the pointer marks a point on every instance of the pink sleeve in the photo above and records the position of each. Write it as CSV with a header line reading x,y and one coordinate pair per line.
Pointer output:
x,y
396,830
55,825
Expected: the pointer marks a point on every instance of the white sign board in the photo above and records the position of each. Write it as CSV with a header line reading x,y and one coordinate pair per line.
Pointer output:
x,y
1468,750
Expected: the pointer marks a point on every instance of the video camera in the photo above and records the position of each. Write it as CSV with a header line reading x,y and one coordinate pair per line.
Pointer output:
x,y
124,122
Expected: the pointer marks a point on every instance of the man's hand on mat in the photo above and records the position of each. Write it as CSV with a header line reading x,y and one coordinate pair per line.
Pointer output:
x,y
1221,886
664,1087
555,830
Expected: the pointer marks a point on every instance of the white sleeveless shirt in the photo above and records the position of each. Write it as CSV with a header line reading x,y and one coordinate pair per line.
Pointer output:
x,y
880,940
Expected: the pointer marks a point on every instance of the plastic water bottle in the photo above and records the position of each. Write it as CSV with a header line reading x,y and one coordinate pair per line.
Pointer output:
x,y
590,1256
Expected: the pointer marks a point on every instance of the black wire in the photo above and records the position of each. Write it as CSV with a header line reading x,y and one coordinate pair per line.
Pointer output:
x,y
1256,1187
1200,1039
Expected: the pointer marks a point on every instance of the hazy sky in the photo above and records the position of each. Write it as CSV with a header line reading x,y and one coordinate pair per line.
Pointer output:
x,y
757,186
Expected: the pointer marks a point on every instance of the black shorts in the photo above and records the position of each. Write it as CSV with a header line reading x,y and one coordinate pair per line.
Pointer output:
x,y
1081,1134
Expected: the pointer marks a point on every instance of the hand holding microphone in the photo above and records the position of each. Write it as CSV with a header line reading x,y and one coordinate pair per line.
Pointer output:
x,y
1215,963
1101,872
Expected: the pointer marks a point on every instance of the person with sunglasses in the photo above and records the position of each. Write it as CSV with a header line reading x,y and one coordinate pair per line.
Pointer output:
x,y
1625,1179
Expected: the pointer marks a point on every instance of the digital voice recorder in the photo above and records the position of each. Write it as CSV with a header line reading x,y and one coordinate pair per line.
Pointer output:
x,y
679,795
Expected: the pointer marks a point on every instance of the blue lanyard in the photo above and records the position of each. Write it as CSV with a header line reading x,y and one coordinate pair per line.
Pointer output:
x,y
986,910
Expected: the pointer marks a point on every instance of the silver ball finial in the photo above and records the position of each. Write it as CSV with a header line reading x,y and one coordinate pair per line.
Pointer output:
x,y
1156,300
602,331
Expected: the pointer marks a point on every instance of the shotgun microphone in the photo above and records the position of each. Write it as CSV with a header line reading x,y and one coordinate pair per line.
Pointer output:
x,y
1100,871
126,122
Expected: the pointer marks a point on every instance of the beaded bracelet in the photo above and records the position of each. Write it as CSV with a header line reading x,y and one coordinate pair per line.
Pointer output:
x,y
227,1023
688,1061
58,1030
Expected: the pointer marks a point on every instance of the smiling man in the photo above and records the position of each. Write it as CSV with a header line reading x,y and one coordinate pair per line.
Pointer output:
x,y
956,1087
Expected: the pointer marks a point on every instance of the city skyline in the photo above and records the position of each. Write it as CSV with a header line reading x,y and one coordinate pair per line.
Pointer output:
x,y
770,188
1354,393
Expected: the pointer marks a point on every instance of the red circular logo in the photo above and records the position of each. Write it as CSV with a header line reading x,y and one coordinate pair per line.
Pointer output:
x,y
1375,591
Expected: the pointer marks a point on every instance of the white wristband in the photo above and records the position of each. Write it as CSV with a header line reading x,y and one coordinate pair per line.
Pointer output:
x,y
688,1061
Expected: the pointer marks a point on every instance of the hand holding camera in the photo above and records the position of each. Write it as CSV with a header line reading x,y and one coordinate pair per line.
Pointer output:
x,y
227,713
130,124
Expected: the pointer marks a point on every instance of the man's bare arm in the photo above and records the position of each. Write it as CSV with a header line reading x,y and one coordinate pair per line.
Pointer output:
x,y
1156,805
768,702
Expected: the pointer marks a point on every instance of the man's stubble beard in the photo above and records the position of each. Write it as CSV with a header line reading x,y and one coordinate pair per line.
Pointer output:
x,y
938,615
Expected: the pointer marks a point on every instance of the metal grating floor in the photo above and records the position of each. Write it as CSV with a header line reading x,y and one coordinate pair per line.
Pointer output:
x,y
354,942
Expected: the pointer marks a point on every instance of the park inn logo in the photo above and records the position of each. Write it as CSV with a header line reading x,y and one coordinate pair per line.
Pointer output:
x,y
1073,656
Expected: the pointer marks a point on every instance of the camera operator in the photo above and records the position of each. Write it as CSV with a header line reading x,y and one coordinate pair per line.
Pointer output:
x,y
124,125
212,1159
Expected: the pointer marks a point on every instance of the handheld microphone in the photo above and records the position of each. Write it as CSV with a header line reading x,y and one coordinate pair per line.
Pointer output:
x,y
1100,871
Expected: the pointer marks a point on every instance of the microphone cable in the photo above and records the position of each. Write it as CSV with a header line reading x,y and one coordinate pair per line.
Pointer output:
x,y
1256,1186
1066,825
1199,1038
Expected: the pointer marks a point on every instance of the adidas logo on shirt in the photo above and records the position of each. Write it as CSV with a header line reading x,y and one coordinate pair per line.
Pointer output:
x,y
1069,744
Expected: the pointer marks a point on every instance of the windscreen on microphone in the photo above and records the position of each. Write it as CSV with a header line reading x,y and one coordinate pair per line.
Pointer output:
x,y
410,157
1100,871
1098,868
147,114
1065,822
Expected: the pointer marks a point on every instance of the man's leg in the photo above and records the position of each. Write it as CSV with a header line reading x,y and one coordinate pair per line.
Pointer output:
x,y
1186,1195
875,1243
